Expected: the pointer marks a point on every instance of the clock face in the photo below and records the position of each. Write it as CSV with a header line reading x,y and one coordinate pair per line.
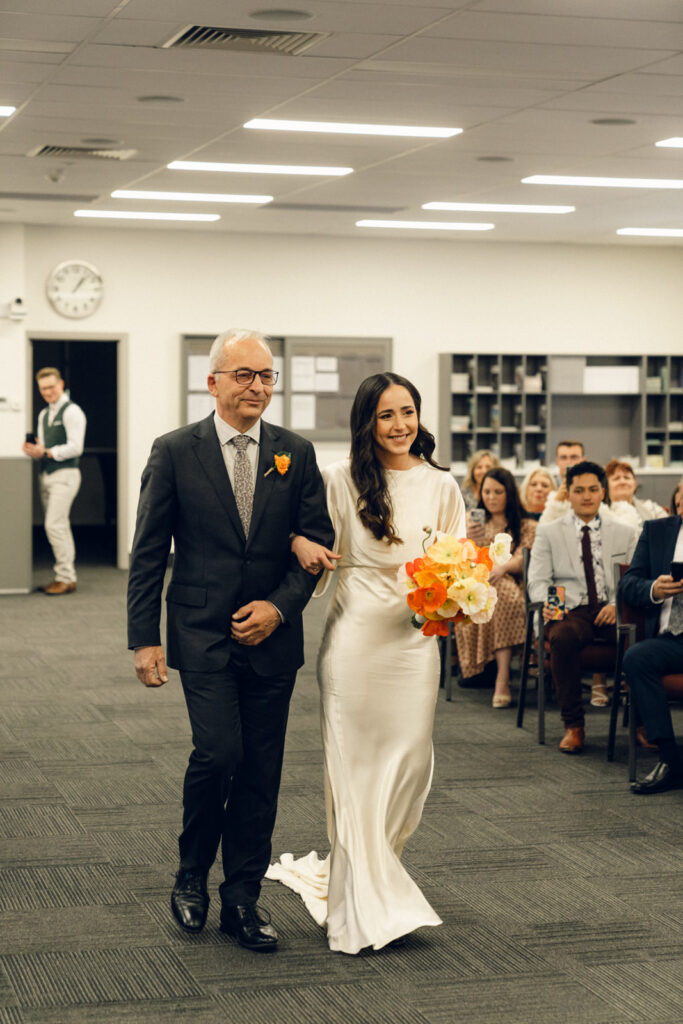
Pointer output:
x,y
75,289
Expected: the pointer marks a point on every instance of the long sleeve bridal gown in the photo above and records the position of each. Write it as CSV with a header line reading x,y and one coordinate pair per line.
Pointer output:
x,y
378,679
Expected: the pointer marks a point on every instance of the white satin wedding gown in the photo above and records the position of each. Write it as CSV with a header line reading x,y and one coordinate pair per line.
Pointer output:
x,y
378,679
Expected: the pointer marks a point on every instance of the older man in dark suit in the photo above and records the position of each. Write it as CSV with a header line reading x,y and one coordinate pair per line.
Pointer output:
x,y
649,584
229,491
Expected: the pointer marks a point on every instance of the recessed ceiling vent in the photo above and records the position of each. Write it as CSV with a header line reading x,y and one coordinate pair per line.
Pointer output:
x,y
289,44
82,153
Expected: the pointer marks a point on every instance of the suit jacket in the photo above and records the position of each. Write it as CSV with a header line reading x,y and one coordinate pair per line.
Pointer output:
x,y
186,496
556,559
652,558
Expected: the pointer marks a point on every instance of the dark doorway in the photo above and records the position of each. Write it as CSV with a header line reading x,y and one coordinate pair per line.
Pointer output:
x,y
89,369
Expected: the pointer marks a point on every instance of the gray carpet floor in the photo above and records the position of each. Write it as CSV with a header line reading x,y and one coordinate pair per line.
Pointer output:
x,y
561,892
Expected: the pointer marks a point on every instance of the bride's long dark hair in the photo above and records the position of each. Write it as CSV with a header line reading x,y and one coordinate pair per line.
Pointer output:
x,y
374,501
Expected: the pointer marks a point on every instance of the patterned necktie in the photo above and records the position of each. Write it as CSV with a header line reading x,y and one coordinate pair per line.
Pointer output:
x,y
243,481
588,566
676,617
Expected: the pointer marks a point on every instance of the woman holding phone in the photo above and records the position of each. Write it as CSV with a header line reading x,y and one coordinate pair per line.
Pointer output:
x,y
502,512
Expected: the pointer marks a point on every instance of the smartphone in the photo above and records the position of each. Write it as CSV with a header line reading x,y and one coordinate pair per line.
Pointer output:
x,y
556,602
677,571
31,439
478,516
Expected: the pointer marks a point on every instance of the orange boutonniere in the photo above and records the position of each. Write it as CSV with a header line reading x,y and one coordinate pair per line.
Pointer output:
x,y
281,462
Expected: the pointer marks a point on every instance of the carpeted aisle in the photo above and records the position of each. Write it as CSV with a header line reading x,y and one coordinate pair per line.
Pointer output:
x,y
561,893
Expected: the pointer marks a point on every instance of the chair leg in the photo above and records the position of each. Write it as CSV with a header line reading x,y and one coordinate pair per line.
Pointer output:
x,y
525,670
541,680
616,696
632,745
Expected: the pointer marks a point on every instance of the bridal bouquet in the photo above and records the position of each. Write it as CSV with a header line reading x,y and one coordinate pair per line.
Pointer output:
x,y
450,583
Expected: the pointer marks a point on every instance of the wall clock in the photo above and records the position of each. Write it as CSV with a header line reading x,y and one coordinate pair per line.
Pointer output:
x,y
75,289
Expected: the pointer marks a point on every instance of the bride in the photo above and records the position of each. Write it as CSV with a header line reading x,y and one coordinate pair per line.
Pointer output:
x,y
378,675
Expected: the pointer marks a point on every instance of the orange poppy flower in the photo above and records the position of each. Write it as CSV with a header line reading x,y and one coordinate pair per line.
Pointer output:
x,y
414,566
484,558
435,628
283,462
432,591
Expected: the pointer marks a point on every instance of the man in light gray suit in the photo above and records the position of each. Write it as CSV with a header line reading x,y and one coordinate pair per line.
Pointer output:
x,y
578,552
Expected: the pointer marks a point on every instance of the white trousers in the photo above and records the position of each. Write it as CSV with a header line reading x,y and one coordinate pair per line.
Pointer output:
x,y
57,492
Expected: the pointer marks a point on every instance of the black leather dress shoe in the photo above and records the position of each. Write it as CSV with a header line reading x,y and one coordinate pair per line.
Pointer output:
x,y
190,900
250,927
662,777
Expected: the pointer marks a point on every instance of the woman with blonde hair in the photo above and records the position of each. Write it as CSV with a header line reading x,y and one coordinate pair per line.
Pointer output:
x,y
477,465
534,491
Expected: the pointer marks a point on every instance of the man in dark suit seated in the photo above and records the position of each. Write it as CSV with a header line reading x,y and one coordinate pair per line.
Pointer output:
x,y
229,491
648,584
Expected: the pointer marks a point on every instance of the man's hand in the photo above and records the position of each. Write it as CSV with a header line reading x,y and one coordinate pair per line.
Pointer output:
x,y
313,557
253,622
665,586
150,666
548,613
36,451
607,616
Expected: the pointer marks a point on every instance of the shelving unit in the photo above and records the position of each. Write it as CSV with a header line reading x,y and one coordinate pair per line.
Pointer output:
x,y
493,401
520,406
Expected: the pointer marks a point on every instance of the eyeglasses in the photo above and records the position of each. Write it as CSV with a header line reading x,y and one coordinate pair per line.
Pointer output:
x,y
268,377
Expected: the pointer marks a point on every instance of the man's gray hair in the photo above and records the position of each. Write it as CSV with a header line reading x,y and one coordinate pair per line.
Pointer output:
x,y
229,337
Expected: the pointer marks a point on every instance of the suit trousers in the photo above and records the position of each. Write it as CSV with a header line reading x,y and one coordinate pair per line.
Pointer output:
x,y
230,793
567,637
644,665
57,492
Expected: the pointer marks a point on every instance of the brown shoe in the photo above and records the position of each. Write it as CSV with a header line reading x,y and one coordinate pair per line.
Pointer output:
x,y
59,588
572,741
643,741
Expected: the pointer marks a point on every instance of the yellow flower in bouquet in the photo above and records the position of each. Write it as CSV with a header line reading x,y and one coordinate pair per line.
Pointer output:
x,y
450,582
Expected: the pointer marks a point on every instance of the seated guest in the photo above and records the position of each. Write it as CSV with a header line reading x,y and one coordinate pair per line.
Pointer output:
x,y
478,644
621,496
578,552
648,584
676,506
477,465
534,491
567,453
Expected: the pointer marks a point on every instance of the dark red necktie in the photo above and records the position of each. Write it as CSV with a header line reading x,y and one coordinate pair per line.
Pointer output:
x,y
588,566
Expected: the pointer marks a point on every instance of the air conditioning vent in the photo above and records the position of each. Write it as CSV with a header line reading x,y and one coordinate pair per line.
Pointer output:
x,y
48,197
82,153
289,44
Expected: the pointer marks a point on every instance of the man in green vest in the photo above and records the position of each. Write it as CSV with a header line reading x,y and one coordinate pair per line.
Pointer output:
x,y
61,434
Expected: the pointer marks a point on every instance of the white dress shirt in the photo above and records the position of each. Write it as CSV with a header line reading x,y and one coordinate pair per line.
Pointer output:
x,y
74,424
225,435
596,554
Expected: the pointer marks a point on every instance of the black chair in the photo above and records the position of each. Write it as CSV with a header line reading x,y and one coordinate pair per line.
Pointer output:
x,y
598,656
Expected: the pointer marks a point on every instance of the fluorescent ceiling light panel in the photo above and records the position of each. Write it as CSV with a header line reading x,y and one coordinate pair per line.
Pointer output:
x,y
188,197
653,232
424,225
676,142
344,128
202,165
6,111
498,207
568,179
134,215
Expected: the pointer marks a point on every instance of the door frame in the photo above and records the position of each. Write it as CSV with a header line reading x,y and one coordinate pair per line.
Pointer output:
x,y
122,558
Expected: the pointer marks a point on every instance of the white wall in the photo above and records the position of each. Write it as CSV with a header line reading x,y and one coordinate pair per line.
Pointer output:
x,y
430,296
